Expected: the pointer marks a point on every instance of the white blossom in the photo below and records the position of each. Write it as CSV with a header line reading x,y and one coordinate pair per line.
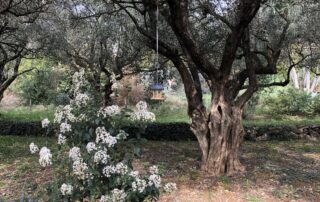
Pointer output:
x,y
75,154
105,198
62,139
170,187
121,168
143,116
154,180
101,156
45,123
118,195
81,99
134,174
104,137
65,127
45,157
115,196
139,185
80,169
91,146
154,170
33,148
141,106
78,81
66,189
64,114
109,111
108,170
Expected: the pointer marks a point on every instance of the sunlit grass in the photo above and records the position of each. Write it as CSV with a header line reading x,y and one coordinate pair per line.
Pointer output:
x,y
27,113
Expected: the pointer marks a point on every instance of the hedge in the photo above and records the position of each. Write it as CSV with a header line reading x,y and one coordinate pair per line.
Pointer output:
x,y
165,131
21,128
169,131
154,131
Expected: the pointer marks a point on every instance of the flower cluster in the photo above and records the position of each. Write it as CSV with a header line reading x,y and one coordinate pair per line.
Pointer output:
x,y
81,99
78,81
142,114
170,187
33,148
120,168
65,127
80,169
62,139
75,154
64,114
45,157
115,196
66,189
45,123
91,146
139,185
101,156
104,137
109,111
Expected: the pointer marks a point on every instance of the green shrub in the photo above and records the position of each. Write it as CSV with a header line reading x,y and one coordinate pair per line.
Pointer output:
x,y
289,101
39,86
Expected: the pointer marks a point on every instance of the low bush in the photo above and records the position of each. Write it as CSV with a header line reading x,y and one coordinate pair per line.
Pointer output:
x,y
290,101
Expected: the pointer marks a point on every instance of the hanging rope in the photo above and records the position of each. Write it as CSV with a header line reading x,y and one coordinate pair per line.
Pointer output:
x,y
157,44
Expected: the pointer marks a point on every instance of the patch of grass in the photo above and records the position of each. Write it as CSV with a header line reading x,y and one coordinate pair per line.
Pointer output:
x,y
225,180
165,114
13,148
27,114
253,199
283,122
19,169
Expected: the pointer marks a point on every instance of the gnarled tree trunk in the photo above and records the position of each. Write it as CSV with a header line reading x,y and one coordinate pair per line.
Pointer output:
x,y
219,135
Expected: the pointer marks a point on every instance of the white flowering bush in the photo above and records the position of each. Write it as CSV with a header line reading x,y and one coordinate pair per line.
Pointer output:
x,y
141,117
92,163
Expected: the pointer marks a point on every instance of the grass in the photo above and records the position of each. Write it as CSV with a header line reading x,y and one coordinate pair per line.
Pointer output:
x,y
20,173
27,114
275,171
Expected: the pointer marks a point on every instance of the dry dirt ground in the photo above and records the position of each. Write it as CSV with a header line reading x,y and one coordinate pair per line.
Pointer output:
x,y
276,171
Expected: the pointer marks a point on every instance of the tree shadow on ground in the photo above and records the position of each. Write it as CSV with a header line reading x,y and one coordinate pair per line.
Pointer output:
x,y
286,170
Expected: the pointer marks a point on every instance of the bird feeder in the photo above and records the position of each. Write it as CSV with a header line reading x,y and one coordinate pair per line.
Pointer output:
x,y
156,90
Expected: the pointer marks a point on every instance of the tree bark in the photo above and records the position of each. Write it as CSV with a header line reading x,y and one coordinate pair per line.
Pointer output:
x,y
107,92
219,135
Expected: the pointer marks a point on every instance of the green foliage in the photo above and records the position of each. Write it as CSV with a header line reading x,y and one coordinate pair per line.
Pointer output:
x,y
39,86
290,101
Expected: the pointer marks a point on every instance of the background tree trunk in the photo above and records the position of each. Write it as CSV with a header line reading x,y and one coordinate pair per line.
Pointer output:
x,y
219,135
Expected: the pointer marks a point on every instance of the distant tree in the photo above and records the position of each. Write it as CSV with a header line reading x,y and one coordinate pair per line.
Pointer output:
x,y
34,86
18,36
102,45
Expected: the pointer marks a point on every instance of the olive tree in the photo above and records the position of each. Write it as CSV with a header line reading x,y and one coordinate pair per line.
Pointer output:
x,y
19,36
102,45
231,44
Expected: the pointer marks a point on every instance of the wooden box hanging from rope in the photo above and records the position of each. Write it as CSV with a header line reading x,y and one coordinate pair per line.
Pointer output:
x,y
156,90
